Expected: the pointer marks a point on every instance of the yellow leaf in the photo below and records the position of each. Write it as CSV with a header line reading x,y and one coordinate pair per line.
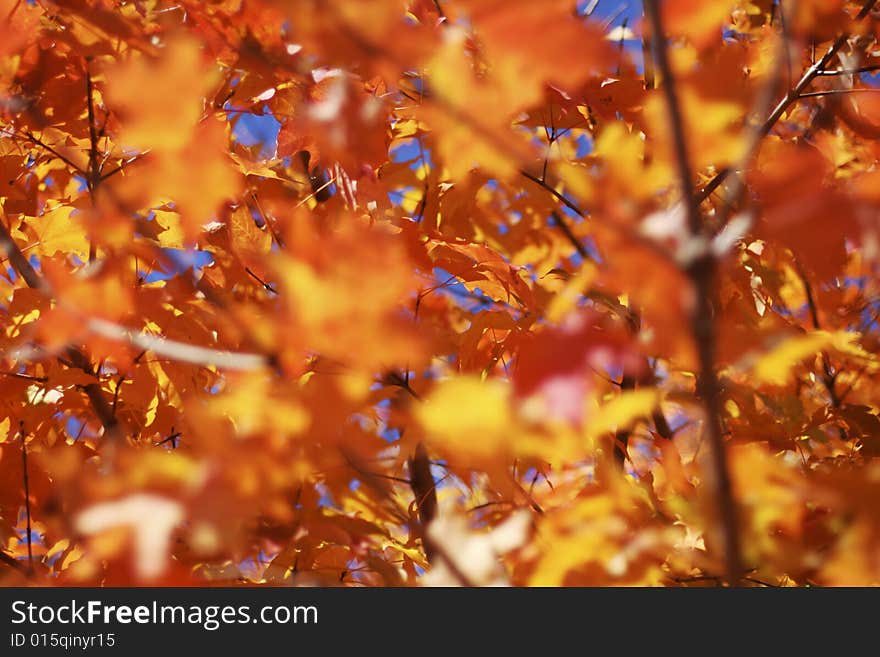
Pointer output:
x,y
622,154
75,554
467,416
775,366
578,178
260,169
14,328
567,298
249,241
622,150
250,405
622,411
197,177
150,416
847,342
172,231
58,231
58,548
467,137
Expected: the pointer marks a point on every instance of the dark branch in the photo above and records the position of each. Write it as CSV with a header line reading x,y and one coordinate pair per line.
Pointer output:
x,y
571,205
702,274
570,236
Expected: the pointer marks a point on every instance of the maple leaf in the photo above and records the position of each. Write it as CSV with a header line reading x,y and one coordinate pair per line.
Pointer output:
x,y
469,416
58,230
560,364
700,23
141,90
528,45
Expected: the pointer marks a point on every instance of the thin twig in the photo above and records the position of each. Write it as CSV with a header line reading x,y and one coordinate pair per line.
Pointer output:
x,y
457,573
14,563
172,438
590,8
266,286
615,15
838,92
570,236
571,205
621,438
755,580
38,142
121,167
27,494
116,390
26,377
94,177
828,377
855,71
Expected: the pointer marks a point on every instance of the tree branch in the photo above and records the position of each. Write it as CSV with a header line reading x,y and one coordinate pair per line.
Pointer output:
x,y
702,276
178,351
93,391
15,564
676,119
621,438
425,492
791,97
94,176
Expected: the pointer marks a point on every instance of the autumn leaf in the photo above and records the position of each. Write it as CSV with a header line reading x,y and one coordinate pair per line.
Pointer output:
x,y
141,91
58,230
466,415
700,23
529,45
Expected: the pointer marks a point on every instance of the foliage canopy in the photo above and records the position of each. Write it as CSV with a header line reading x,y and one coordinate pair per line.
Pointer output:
x,y
462,292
